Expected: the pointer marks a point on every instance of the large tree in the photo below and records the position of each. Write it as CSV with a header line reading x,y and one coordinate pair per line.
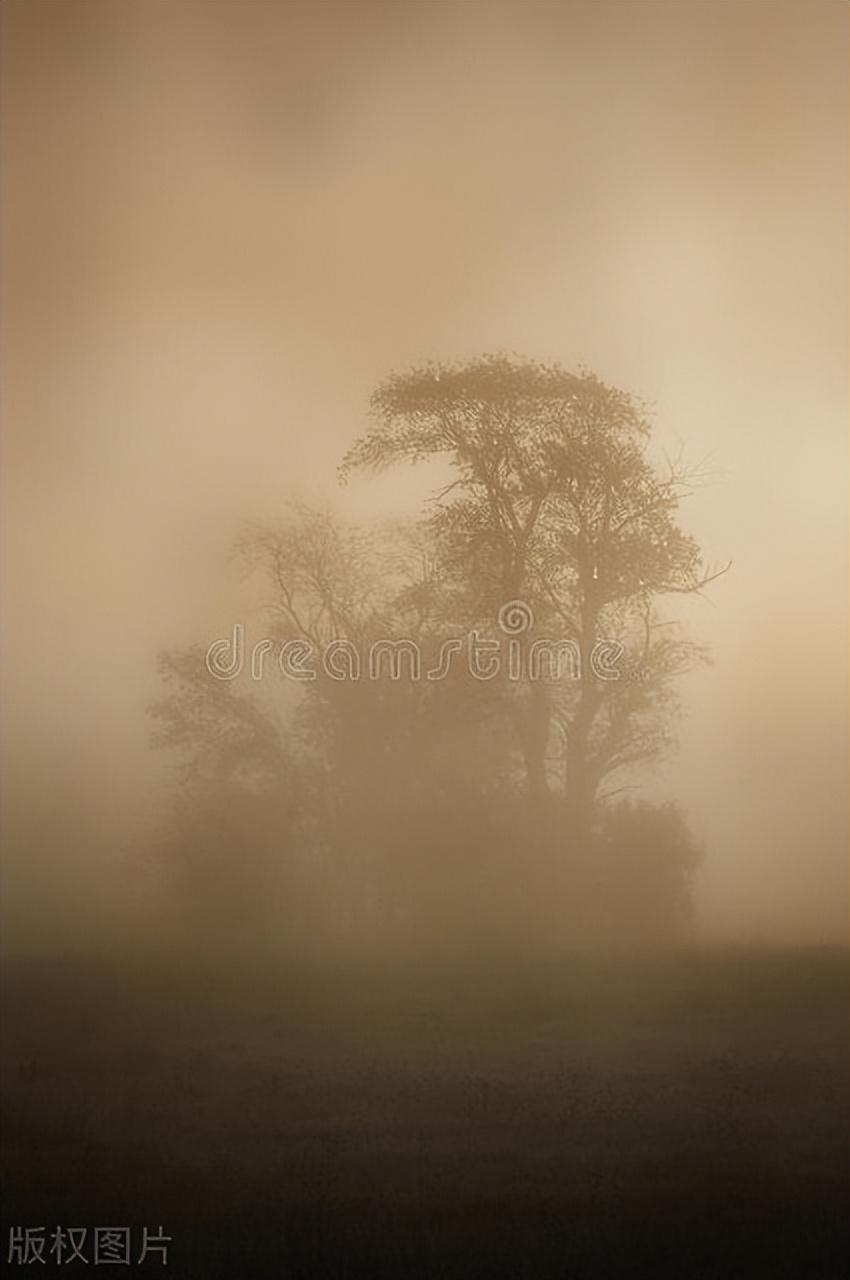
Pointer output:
x,y
553,499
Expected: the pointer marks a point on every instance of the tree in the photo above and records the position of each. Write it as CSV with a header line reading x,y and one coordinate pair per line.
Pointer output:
x,y
399,805
554,499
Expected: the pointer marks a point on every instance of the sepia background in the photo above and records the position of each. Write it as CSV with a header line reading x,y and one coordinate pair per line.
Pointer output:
x,y
224,223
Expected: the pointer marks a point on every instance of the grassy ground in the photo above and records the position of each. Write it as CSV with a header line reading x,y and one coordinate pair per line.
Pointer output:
x,y
685,1117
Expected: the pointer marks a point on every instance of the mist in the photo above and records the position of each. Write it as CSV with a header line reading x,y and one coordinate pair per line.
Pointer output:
x,y
221,231
228,225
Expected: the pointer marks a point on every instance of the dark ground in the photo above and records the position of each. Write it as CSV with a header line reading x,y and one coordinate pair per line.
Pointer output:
x,y
684,1117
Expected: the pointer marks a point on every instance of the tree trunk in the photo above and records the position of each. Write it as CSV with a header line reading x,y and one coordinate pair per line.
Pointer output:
x,y
579,781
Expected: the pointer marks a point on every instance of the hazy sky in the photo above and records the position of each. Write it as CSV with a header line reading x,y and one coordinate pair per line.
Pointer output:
x,y
225,222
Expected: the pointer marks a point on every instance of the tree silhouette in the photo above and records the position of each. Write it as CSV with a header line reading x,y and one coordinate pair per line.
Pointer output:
x,y
553,499
402,804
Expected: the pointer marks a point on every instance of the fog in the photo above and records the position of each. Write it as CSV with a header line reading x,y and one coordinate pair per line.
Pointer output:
x,y
226,223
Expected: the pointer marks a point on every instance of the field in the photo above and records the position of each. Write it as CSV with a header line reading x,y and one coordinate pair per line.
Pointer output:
x,y
682,1116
